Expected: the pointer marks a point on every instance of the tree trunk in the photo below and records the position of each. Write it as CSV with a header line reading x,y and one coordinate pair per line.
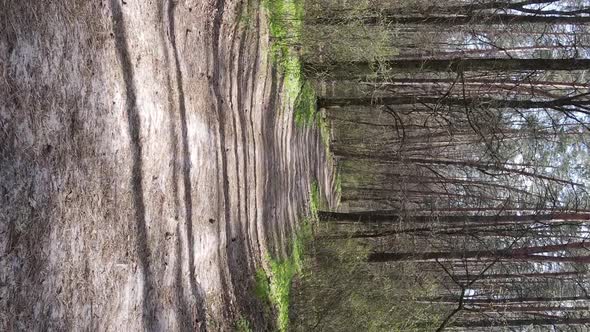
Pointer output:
x,y
469,102
522,322
525,253
481,166
451,20
348,70
368,217
511,300
523,275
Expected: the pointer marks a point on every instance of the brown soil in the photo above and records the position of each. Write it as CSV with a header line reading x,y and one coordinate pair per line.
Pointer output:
x,y
146,164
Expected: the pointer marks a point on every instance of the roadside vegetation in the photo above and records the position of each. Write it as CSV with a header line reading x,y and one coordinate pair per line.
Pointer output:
x,y
313,286
461,131
288,44
275,287
285,19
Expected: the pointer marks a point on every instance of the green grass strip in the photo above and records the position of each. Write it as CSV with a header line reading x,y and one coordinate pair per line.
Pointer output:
x,y
285,19
276,288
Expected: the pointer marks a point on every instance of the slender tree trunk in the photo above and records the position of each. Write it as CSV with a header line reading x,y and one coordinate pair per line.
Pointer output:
x,y
528,308
523,275
511,300
525,253
481,166
368,217
451,20
522,322
348,70
469,102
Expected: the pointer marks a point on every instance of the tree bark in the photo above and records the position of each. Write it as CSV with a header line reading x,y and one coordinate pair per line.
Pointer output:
x,y
511,300
451,20
469,102
348,70
523,275
522,322
368,217
525,253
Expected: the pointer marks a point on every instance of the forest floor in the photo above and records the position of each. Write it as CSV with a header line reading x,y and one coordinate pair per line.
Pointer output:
x,y
149,165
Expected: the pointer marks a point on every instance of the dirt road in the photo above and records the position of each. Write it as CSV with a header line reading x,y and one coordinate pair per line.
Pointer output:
x,y
147,164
